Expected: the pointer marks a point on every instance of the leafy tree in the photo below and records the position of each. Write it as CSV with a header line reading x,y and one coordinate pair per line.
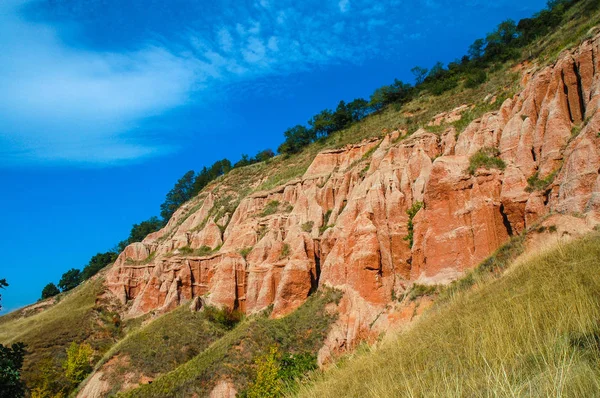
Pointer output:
x,y
296,138
97,262
70,279
206,175
48,381
476,50
322,123
11,362
244,161
398,92
437,71
77,365
507,31
140,231
377,100
359,108
264,155
3,284
342,117
420,74
181,193
267,383
260,157
50,290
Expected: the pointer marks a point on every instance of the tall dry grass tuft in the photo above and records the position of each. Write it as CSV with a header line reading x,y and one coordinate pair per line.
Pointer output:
x,y
533,332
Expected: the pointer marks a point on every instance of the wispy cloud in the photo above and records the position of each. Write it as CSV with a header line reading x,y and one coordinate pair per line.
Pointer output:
x,y
61,104
65,104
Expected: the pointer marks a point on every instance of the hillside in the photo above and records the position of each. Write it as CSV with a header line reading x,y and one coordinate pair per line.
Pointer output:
x,y
533,332
358,235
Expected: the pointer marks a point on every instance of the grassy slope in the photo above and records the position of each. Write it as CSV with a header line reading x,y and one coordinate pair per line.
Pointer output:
x,y
234,354
533,332
161,345
76,317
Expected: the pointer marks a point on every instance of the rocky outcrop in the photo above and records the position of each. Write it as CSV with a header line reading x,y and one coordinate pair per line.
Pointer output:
x,y
345,224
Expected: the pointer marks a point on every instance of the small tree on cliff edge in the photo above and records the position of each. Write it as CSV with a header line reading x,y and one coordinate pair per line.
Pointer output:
x,y
50,290
70,279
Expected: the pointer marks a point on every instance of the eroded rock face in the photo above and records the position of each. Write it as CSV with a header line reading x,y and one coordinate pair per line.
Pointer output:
x,y
344,223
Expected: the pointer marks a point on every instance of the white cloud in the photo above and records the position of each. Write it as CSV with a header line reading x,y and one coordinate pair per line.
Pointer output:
x,y
59,103
63,104
225,40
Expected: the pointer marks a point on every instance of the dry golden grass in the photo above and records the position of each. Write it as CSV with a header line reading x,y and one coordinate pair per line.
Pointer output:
x,y
533,332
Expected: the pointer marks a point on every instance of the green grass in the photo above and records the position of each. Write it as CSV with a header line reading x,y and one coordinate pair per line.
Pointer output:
x,y
412,212
486,158
270,208
535,183
532,332
233,356
76,317
162,345
308,226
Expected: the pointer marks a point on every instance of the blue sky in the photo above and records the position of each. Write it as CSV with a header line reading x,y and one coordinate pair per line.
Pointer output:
x,y
105,103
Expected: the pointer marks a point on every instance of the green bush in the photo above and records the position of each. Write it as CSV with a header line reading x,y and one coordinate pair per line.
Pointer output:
x,y
412,212
245,251
308,226
270,208
268,382
535,183
225,317
476,78
486,158
77,365
419,290
285,251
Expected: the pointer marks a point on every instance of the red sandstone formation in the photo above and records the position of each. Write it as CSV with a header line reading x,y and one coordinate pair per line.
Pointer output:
x,y
344,223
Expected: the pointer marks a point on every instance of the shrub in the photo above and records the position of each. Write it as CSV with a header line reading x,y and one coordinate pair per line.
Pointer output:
x,y
225,317
270,208
412,212
262,231
475,78
77,365
295,366
268,382
535,183
245,251
285,251
486,158
308,226
418,290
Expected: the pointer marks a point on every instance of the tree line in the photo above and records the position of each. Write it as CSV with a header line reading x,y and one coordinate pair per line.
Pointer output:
x,y
499,46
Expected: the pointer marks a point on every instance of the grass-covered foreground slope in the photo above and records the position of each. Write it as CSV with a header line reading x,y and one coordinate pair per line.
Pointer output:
x,y
79,316
158,347
533,332
233,356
